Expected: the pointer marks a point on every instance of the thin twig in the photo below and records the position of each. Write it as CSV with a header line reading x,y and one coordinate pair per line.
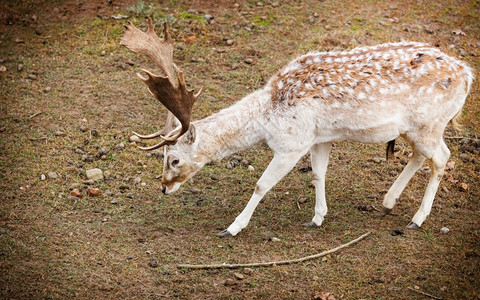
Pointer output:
x,y
35,114
298,204
425,294
274,263
104,39
374,208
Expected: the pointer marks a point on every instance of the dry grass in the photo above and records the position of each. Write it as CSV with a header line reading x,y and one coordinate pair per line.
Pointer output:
x,y
52,246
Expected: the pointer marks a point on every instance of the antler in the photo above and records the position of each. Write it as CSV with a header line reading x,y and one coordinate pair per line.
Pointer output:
x,y
170,89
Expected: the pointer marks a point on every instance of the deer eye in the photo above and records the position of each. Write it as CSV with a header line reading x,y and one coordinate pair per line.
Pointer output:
x,y
175,162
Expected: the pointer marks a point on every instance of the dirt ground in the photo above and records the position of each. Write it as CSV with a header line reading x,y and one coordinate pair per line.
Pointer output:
x,y
70,100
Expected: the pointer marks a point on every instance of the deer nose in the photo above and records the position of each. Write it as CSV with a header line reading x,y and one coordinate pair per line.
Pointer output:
x,y
164,189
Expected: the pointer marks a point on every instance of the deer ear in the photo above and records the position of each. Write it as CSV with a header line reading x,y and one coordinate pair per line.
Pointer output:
x,y
190,135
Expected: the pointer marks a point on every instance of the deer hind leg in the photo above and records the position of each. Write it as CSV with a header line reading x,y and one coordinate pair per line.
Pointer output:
x,y
401,182
439,159
319,154
280,165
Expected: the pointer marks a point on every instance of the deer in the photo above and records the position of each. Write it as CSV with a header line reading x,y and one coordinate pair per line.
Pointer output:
x,y
370,94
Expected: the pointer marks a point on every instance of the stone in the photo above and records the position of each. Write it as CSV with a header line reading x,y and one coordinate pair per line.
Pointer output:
x,y
76,193
20,67
248,61
43,177
52,175
275,239
251,168
137,180
229,42
102,53
444,230
119,146
134,138
47,89
79,151
239,276
152,263
93,192
59,133
74,186
94,174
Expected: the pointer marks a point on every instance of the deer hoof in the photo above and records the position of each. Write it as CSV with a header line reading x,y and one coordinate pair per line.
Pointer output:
x,y
224,233
412,225
386,211
311,225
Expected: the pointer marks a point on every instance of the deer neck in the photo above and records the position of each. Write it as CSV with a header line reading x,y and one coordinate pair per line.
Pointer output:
x,y
232,129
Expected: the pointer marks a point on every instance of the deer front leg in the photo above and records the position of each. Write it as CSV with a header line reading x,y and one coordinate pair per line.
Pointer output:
x,y
280,165
319,155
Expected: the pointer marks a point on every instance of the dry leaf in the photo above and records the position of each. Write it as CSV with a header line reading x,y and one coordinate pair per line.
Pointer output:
x,y
450,165
324,296
458,32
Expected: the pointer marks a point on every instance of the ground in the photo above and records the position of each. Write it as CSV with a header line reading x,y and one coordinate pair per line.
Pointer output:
x,y
70,99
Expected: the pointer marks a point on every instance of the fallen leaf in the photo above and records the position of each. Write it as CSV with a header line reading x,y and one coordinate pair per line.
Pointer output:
x,y
458,32
450,165
324,296
119,17
191,39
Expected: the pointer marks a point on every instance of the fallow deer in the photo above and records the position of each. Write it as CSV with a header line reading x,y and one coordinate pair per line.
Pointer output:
x,y
369,95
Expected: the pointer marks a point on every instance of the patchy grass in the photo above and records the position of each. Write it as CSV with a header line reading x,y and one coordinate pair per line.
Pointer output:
x,y
53,246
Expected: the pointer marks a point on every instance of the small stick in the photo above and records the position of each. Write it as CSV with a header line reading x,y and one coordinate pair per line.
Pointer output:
x,y
298,204
425,294
35,114
374,208
274,263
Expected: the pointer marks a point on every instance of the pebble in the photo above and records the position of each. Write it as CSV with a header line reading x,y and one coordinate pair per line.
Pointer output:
x,y
444,230
52,175
248,61
239,276
248,271
134,138
102,151
32,76
87,158
43,177
74,186
137,180
229,282
229,42
47,89
89,182
152,263
196,190
102,53
92,192
113,202
275,239
119,146
79,151
214,177
129,195
76,193
20,67
94,174
251,168
229,165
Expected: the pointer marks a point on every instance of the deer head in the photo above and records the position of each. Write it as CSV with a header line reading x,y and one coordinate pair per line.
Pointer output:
x,y
170,89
